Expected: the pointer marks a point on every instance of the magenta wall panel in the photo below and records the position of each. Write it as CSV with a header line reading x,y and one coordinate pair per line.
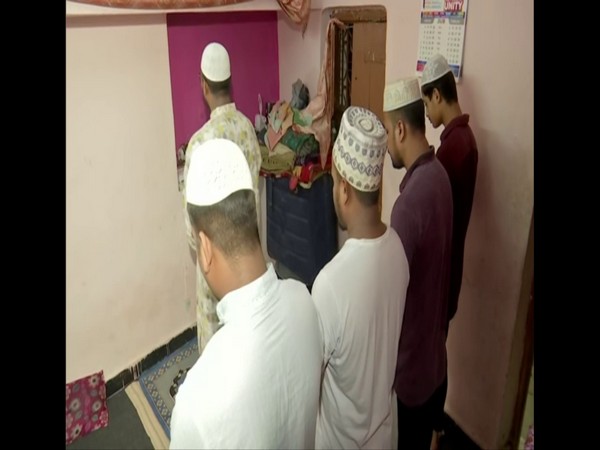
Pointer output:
x,y
250,39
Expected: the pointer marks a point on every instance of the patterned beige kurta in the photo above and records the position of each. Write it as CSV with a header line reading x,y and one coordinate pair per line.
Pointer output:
x,y
228,123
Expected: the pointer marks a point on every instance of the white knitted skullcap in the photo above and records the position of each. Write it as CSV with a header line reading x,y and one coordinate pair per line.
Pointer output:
x,y
218,168
215,62
360,148
401,93
436,68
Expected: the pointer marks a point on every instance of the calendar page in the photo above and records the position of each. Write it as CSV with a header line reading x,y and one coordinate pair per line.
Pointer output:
x,y
442,30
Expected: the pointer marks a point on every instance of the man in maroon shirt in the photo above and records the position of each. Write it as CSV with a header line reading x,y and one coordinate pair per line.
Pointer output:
x,y
458,154
422,217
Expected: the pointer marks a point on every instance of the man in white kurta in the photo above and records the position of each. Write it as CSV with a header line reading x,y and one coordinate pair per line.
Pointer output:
x,y
228,123
360,297
256,385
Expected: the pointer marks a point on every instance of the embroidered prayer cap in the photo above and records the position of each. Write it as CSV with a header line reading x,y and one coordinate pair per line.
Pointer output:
x,y
401,93
218,168
360,148
435,68
215,62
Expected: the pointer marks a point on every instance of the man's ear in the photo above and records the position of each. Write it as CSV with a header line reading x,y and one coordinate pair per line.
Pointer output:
x,y
205,253
344,194
205,90
399,131
436,97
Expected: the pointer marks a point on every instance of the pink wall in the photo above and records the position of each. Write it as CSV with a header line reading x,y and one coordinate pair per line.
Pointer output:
x,y
497,75
130,281
250,39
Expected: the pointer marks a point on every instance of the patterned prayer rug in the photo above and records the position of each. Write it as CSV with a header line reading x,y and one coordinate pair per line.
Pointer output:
x,y
156,385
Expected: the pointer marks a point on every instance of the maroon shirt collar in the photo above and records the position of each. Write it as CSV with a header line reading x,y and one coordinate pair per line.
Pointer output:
x,y
459,121
423,159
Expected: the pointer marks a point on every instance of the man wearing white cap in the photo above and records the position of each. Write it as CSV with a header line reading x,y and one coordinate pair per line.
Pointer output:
x,y
459,156
360,297
229,123
256,385
422,216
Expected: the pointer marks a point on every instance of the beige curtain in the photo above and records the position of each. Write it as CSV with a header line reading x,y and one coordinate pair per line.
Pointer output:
x,y
297,10
320,107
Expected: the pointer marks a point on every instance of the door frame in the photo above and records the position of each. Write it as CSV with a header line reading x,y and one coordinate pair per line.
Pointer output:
x,y
521,358
349,16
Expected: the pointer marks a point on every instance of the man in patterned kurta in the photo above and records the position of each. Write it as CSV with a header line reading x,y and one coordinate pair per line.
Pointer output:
x,y
228,123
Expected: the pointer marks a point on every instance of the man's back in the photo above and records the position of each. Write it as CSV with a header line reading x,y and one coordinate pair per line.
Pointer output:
x,y
225,122
422,216
459,155
229,123
257,383
360,297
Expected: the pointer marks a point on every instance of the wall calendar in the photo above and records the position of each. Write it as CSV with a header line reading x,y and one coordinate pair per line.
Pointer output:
x,y
442,30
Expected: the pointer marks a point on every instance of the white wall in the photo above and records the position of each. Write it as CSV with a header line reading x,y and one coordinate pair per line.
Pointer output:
x,y
130,279
301,56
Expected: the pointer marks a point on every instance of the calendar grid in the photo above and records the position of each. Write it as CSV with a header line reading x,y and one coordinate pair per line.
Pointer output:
x,y
442,30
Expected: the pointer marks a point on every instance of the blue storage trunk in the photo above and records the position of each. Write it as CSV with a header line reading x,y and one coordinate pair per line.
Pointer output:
x,y
301,226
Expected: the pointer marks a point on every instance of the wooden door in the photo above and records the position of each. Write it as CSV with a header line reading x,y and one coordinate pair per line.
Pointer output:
x,y
368,66
368,69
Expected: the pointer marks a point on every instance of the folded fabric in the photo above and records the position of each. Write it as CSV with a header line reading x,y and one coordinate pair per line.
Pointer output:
x,y
272,138
301,143
300,95
280,160
303,119
281,118
278,115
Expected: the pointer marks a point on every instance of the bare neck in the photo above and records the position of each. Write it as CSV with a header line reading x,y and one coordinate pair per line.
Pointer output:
x,y
366,223
416,148
451,112
245,269
220,101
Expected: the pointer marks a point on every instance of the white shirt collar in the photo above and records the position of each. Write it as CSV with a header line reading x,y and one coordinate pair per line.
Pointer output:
x,y
240,302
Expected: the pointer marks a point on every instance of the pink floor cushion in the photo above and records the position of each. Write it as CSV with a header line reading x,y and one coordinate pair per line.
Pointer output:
x,y
85,408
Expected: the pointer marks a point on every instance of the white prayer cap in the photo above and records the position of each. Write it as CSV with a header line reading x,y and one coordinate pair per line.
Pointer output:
x,y
401,93
218,168
360,148
436,68
215,62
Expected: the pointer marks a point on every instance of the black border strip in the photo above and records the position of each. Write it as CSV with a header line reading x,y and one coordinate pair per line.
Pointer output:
x,y
127,376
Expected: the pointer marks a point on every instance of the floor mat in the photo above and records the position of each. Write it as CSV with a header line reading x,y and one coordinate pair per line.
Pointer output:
x,y
156,385
153,428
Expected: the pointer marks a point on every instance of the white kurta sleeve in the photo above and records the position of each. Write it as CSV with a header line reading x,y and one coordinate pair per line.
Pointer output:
x,y
328,313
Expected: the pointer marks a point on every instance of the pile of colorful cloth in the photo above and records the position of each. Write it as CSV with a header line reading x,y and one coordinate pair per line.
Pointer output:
x,y
289,149
301,170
